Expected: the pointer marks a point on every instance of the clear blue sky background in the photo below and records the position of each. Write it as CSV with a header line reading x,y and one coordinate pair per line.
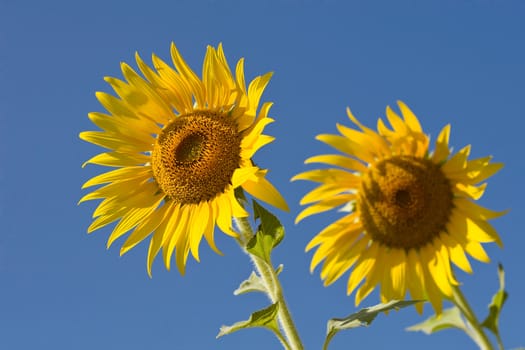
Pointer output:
x,y
451,61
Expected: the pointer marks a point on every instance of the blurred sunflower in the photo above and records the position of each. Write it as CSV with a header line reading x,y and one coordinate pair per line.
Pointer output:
x,y
411,212
181,145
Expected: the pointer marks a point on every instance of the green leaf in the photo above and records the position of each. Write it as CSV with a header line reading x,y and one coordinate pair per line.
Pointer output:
x,y
450,318
363,317
270,225
265,318
491,322
269,233
253,284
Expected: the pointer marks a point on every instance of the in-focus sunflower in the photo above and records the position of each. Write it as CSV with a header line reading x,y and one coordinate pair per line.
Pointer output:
x,y
180,145
410,212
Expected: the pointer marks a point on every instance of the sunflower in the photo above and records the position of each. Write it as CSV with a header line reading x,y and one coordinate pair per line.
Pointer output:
x,y
181,145
410,212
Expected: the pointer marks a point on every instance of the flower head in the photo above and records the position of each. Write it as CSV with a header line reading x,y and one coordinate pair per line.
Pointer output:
x,y
181,145
410,212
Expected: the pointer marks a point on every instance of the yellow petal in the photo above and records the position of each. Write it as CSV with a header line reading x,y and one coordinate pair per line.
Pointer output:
x,y
252,134
397,274
241,175
116,159
340,161
384,130
380,143
174,86
189,76
443,255
345,260
474,192
143,97
476,251
262,141
358,137
335,254
176,227
117,142
325,205
433,264
482,231
397,123
156,240
134,127
115,189
475,211
457,162
224,217
410,118
432,291
344,145
373,278
456,253
347,222
116,106
442,151
200,218
473,230
104,220
144,229
338,142
182,252
263,190
210,228
331,246
238,210
321,192
362,268
415,278
256,89
239,75
487,171
329,176
131,219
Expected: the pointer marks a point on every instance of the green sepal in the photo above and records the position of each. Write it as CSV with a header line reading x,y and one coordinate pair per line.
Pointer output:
x,y
450,318
254,283
265,318
363,317
269,233
495,306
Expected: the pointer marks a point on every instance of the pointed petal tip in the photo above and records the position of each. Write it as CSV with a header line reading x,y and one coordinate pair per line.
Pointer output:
x,y
182,269
123,250
294,178
401,104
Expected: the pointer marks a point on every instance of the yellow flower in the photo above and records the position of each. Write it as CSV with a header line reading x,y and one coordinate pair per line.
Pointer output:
x,y
410,212
180,145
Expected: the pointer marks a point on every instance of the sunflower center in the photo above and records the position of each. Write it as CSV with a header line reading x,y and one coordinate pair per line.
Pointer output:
x,y
404,202
195,156
190,148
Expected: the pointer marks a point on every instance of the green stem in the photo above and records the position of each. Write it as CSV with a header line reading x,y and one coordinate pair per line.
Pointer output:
x,y
273,287
477,334
283,340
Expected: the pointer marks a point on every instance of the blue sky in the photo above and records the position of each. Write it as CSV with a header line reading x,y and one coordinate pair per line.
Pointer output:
x,y
460,62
